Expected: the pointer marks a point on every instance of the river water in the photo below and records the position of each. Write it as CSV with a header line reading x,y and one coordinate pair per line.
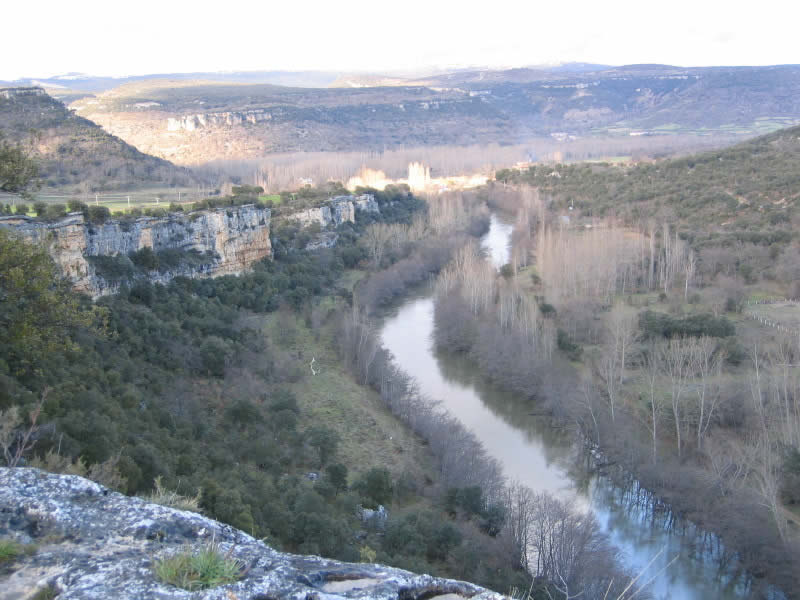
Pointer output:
x,y
543,458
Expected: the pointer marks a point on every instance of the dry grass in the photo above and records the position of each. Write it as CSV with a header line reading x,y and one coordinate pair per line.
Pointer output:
x,y
161,495
370,434
201,569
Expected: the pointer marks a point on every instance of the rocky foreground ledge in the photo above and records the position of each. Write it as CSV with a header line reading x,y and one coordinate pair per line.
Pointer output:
x,y
93,543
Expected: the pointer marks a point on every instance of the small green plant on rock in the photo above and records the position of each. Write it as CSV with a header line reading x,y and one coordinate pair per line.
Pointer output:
x,y
197,570
11,550
46,593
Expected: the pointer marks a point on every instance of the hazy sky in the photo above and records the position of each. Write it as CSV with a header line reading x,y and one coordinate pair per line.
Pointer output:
x,y
146,36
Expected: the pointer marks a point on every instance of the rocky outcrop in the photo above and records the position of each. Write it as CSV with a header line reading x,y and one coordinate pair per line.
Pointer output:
x,y
367,203
337,210
216,120
228,239
93,543
10,93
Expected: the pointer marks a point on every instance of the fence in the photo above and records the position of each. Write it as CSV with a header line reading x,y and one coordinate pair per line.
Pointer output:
x,y
769,321
115,200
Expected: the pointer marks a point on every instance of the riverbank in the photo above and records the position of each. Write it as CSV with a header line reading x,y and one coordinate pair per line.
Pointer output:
x,y
516,361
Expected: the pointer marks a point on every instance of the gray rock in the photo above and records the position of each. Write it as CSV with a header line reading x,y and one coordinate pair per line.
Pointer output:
x,y
367,203
93,543
233,238
376,518
337,210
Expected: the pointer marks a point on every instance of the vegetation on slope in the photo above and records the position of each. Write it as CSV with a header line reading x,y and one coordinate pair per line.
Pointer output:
x,y
73,151
234,386
631,321
748,192
457,108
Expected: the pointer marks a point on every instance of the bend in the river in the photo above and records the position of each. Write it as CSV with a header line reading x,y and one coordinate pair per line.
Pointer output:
x,y
535,454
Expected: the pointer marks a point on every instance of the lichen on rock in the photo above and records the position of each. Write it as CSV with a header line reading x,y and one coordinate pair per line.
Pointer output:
x,y
94,543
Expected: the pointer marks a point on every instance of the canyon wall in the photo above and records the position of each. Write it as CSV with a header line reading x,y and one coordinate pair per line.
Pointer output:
x,y
203,243
337,210
228,240
216,120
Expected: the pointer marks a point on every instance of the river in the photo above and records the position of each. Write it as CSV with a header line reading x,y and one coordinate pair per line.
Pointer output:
x,y
543,458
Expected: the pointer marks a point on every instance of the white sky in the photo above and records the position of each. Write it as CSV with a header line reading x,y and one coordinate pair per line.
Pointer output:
x,y
44,38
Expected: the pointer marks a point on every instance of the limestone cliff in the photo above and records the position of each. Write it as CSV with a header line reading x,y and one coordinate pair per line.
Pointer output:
x,y
216,120
226,240
223,241
94,543
337,210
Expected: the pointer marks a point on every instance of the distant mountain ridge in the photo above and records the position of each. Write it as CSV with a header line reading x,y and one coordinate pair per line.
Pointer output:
x,y
192,122
82,82
75,82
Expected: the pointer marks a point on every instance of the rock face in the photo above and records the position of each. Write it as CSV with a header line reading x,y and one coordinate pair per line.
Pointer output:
x,y
21,92
216,120
230,239
367,203
92,543
337,210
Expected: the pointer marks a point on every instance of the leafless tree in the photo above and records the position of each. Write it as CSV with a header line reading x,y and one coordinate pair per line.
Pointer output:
x,y
375,239
16,438
621,333
707,363
652,370
676,359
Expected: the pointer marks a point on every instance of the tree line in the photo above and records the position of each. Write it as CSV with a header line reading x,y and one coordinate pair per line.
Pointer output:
x,y
615,334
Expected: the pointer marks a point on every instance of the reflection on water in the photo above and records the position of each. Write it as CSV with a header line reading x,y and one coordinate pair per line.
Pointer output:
x,y
522,453
543,458
497,241
640,533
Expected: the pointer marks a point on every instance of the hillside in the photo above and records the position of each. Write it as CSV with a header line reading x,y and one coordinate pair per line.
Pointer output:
x,y
749,192
74,152
193,122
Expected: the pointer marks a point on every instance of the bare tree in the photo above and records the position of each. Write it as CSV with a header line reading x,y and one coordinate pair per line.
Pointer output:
x,y
17,439
518,502
652,364
607,371
622,331
676,359
707,362
689,267
375,239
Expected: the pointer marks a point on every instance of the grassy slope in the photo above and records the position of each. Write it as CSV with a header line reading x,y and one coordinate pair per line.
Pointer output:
x,y
370,435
